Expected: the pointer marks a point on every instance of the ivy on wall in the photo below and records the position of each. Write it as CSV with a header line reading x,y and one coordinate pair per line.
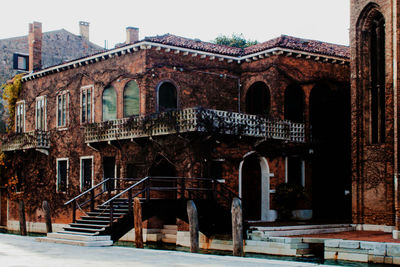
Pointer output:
x,y
10,96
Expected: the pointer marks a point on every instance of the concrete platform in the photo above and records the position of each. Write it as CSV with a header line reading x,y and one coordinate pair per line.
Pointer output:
x,y
24,251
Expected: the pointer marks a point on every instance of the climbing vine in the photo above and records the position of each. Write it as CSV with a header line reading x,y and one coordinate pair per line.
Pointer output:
x,y
10,96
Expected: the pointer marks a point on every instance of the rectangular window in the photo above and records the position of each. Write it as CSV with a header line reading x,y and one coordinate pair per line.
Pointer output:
x,y
216,169
86,172
295,171
20,117
62,174
41,113
86,104
62,109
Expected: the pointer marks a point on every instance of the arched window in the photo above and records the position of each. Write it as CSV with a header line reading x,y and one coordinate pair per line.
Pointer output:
x,y
109,104
371,51
294,104
377,72
258,99
131,99
167,97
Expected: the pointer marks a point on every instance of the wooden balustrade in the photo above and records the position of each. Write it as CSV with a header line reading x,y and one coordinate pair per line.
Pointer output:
x,y
28,140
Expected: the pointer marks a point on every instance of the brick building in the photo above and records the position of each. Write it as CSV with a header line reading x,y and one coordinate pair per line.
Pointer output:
x,y
374,98
58,46
169,106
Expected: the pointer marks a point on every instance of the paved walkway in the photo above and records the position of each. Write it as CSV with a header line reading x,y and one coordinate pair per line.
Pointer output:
x,y
25,251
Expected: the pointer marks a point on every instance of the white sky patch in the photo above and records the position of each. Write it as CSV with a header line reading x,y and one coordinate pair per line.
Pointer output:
x,y
325,20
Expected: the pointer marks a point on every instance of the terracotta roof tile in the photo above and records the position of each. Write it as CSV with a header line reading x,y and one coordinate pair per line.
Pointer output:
x,y
300,44
169,39
283,41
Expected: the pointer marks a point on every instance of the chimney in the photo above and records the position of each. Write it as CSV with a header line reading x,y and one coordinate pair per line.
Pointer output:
x,y
35,46
132,35
84,29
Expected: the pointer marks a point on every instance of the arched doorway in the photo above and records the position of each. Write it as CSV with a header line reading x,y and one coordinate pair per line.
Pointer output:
x,y
330,141
254,188
258,99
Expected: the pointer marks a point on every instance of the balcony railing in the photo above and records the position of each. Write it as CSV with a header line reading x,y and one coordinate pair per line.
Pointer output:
x,y
28,140
195,120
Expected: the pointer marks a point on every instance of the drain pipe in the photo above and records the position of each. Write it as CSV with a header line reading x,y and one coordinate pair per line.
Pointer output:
x,y
395,128
238,85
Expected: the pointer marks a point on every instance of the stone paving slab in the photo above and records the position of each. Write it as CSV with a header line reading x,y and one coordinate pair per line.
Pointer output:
x,y
25,251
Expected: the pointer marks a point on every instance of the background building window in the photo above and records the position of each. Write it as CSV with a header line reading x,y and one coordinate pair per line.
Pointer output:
x,y
167,97
41,113
86,104
131,99
62,109
20,62
86,172
62,175
20,117
109,104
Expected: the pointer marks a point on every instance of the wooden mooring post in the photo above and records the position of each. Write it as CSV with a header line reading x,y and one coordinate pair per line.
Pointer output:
x,y
193,226
137,217
237,227
22,221
47,216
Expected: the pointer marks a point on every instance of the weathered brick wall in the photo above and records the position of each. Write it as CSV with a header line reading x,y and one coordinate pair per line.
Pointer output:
x,y
372,164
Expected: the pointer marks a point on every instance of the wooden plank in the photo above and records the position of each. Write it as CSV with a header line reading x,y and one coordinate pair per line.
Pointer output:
x,y
193,226
22,221
47,216
237,227
137,214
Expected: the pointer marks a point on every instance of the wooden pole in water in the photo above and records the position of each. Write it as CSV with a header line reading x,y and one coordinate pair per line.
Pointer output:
x,y
137,217
237,227
47,216
193,226
22,221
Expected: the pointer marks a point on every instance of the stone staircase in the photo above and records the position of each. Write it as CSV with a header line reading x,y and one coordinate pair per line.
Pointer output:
x,y
169,233
93,229
263,232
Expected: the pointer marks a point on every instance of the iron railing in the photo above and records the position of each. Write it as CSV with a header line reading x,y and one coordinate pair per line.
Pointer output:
x,y
147,189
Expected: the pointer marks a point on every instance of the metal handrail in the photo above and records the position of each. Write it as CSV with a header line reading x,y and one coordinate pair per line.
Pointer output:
x,y
126,190
87,191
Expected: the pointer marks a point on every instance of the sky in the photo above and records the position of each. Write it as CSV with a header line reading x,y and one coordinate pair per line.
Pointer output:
x,y
261,20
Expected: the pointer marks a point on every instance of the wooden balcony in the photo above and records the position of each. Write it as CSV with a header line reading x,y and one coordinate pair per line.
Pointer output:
x,y
39,140
195,120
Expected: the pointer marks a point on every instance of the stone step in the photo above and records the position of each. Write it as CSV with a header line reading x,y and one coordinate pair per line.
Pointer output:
x,y
88,225
169,231
168,240
170,227
104,222
76,242
78,237
77,233
168,236
305,231
298,227
78,229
